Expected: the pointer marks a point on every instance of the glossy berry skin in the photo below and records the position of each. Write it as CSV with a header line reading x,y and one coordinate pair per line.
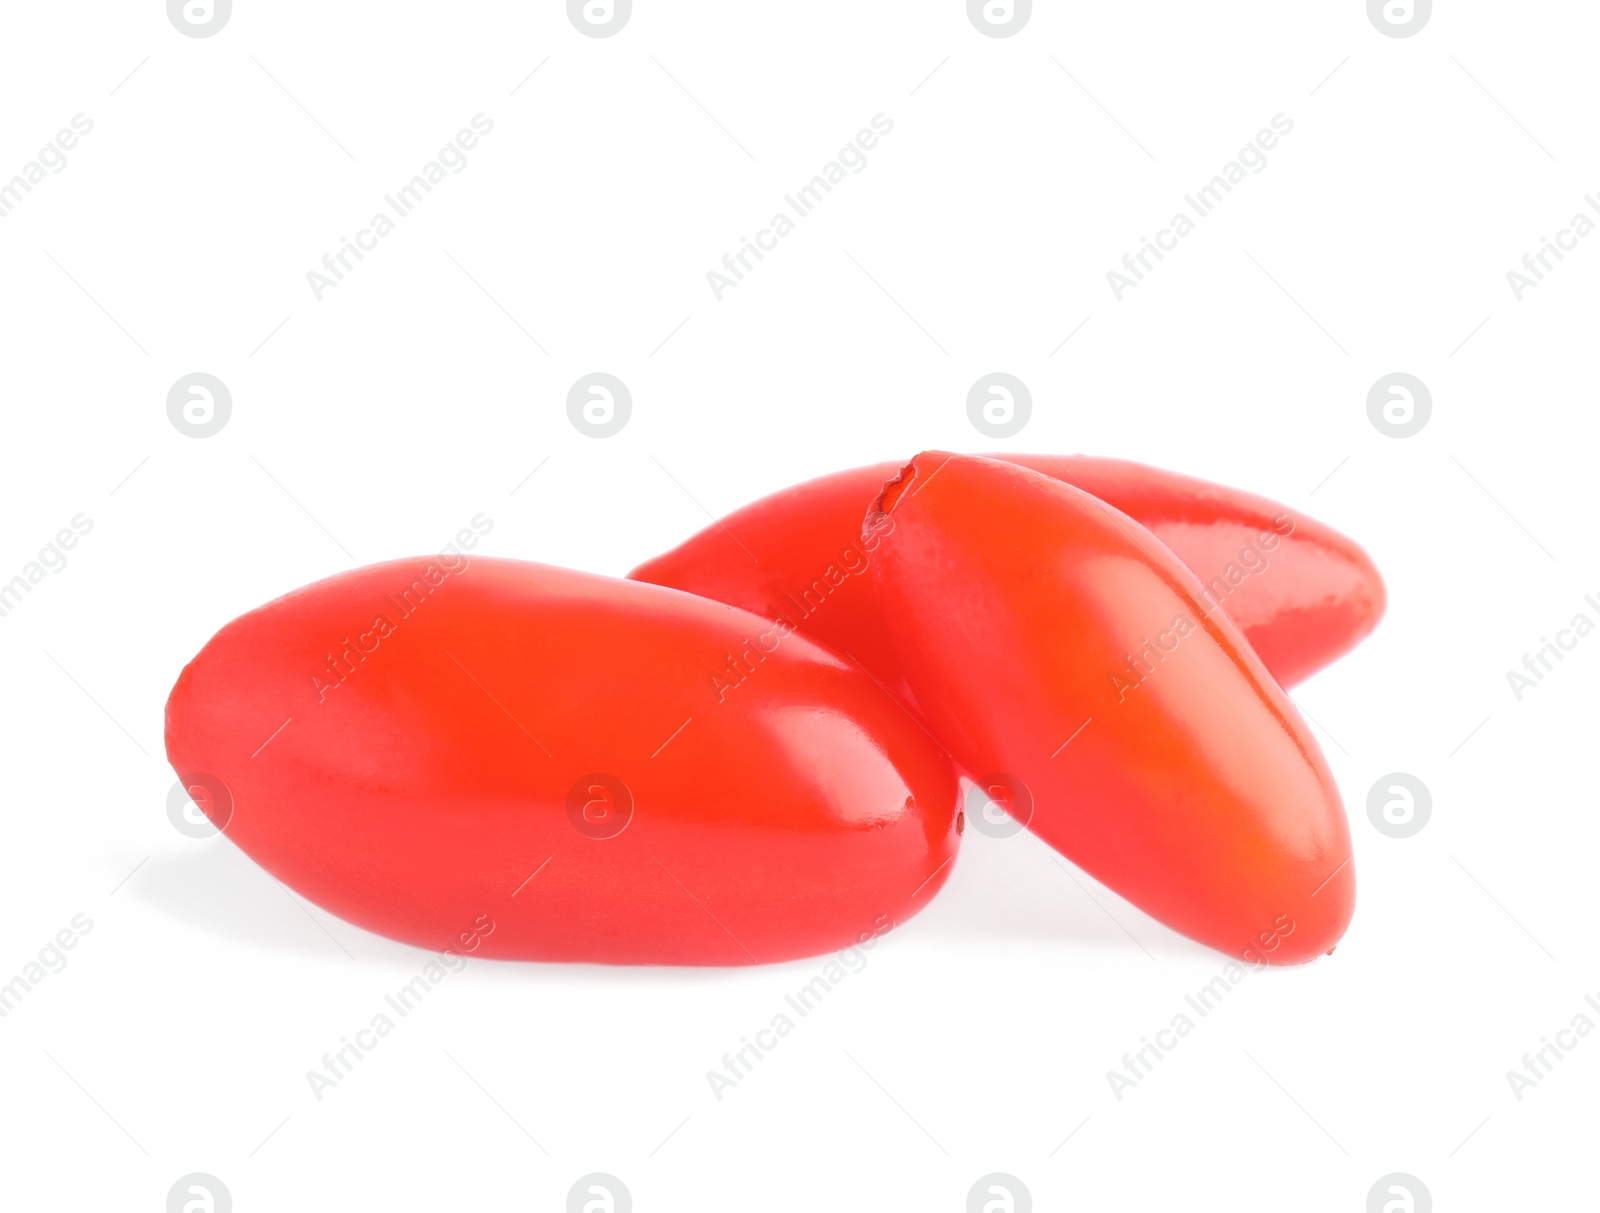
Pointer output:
x,y
533,763
1303,593
1052,640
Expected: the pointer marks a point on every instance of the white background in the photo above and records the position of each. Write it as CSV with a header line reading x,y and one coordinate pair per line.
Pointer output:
x,y
377,422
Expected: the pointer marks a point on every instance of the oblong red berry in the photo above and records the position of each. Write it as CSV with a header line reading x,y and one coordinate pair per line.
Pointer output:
x,y
1303,593
1053,639
558,766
